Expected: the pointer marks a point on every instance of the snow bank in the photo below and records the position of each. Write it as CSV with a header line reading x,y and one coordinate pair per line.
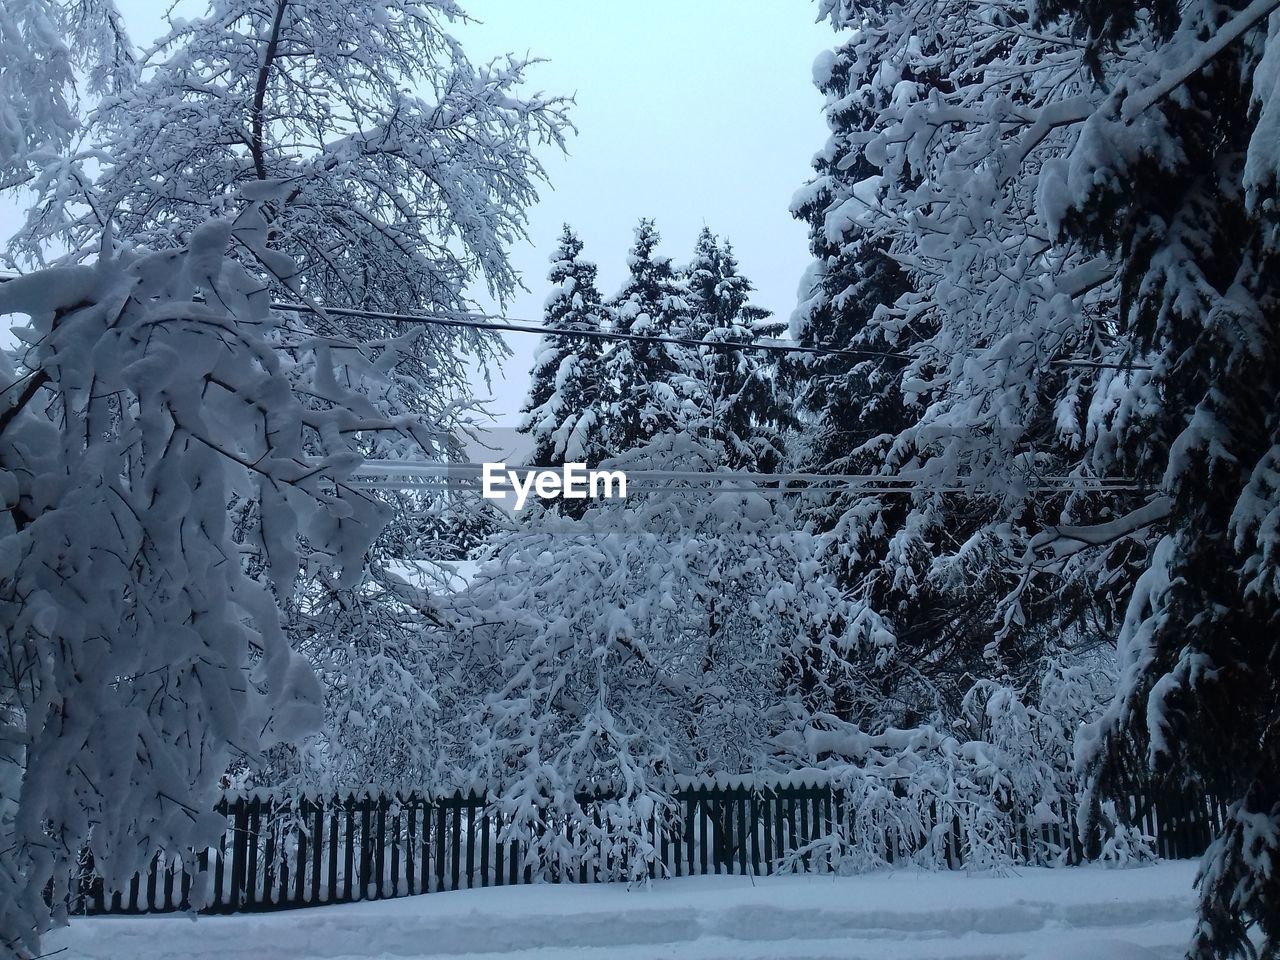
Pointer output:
x,y
1095,950
1039,914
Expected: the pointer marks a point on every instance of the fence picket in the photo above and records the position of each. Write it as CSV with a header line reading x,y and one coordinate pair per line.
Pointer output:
x,y
424,851
239,854
317,846
471,839
484,845
268,860
395,852
300,857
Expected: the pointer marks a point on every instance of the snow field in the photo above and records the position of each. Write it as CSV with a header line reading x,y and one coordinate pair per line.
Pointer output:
x,y
1036,913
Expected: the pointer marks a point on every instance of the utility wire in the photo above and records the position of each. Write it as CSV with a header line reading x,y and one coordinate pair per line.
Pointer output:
x,y
377,471
495,322
484,321
463,486
777,491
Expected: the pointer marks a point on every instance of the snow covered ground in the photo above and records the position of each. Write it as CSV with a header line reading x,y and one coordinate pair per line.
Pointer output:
x,y
1087,913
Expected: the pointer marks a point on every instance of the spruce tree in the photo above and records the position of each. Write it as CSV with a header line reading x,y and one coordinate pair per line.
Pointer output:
x,y
562,410
1192,221
739,403
854,409
648,382
702,277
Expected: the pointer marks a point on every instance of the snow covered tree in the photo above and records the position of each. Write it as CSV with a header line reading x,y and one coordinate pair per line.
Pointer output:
x,y
718,294
152,391
702,276
854,408
647,639
562,413
462,525
736,398
1176,177
411,168
1081,201
44,45
646,380
408,170
931,246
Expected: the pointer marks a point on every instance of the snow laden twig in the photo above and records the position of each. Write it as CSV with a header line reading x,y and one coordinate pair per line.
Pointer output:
x,y
142,653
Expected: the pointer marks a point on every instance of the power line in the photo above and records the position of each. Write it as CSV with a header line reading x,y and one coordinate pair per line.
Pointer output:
x,y
765,487
484,321
772,491
381,470
495,322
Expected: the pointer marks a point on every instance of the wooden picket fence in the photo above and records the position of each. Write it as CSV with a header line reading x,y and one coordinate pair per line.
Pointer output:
x,y
283,854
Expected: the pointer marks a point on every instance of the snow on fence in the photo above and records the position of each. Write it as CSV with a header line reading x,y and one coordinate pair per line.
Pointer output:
x,y
283,854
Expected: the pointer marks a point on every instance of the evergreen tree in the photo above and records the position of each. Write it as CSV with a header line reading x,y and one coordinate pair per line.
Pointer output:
x,y
1184,197
563,408
1089,231
738,403
648,382
702,277
855,409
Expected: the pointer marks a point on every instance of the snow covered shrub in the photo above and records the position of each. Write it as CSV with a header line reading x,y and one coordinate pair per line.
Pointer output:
x,y
992,787
1125,845
152,392
649,638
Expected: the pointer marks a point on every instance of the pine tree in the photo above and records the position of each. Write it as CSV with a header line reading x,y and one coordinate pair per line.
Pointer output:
x,y
856,408
1184,197
738,402
931,245
1089,231
563,409
702,277
647,381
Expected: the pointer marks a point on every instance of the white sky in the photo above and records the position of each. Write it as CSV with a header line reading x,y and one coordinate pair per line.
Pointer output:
x,y
692,112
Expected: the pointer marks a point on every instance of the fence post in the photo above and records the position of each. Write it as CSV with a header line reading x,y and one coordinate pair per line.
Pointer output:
x,y
269,856
472,807
395,847
379,851
349,849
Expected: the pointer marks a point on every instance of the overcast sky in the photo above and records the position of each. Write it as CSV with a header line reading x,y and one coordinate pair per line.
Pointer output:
x,y
692,112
